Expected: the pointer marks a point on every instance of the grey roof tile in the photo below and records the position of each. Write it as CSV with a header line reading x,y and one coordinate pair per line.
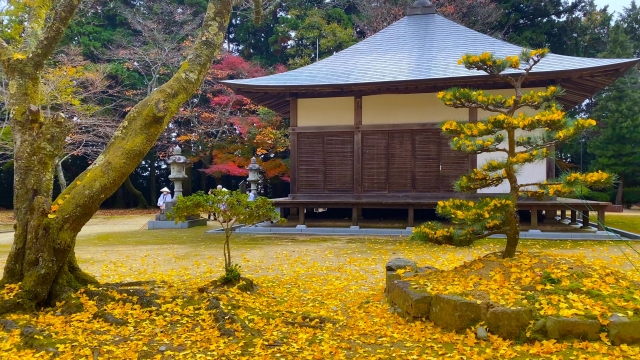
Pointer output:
x,y
419,47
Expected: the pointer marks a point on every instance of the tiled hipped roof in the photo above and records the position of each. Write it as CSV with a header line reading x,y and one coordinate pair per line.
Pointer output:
x,y
420,53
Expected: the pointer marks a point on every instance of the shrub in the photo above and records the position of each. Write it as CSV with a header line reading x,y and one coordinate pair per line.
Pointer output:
x,y
630,196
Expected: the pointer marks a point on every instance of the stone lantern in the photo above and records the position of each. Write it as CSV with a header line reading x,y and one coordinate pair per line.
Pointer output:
x,y
254,176
178,173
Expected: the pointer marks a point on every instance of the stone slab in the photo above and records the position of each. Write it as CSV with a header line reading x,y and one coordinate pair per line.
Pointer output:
x,y
509,323
623,331
579,329
402,232
455,313
413,304
155,224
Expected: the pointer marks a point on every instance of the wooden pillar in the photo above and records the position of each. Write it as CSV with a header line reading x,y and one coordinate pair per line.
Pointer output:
x,y
301,215
293,145
574,218
552,214
411,216
357,146
585,220
354,216
473,158
563,214
534,219
551,163
601,218
293,214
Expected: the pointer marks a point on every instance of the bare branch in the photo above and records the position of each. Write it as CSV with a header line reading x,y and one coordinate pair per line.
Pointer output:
x,y
5,51
56,24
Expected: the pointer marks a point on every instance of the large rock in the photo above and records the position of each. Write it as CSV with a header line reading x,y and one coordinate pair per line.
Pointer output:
x,y
390,278
508,323
562,328
412,303
623,331
455,313
401,263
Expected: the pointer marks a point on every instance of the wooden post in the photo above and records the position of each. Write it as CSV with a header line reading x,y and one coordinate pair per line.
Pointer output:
x,y
411,216
357,145
574,218
354,216
534,219
563,214
601,218
293,145
585,220
301,215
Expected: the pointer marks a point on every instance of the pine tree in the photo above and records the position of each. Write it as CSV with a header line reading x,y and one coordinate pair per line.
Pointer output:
x,y
526,140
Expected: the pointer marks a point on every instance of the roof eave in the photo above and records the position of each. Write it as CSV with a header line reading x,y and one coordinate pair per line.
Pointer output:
x,y
277,97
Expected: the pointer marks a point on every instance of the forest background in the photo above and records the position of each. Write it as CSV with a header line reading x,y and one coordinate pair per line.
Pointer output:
x,y
116,52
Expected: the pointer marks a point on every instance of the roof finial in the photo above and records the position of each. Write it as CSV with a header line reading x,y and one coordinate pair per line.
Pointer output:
x,y
421,7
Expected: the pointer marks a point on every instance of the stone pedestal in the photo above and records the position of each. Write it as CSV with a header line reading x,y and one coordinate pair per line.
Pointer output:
x,y
161,221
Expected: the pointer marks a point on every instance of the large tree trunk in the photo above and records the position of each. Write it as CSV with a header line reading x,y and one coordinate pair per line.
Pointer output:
x,y
60,175
42,257
620,191
142,202
152,179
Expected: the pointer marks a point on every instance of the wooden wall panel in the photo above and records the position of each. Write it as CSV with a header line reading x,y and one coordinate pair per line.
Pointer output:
x,y
390,161
452,164
400,161
427,161
310,163
338,152
375,147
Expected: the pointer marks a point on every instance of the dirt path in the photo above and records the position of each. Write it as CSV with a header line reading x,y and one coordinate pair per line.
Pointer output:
x,y
99,225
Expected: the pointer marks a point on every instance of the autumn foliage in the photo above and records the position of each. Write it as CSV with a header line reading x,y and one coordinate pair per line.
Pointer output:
x,y
226,130
517,139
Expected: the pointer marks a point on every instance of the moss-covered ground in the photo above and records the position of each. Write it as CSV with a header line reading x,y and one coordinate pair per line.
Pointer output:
x,y
317,298
624,222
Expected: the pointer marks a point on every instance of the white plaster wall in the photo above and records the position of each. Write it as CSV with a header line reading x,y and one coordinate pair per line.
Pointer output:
x,y
326,111
529,173
408,109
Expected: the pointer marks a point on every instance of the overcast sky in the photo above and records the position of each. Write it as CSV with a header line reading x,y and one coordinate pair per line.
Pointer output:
x,y
615,5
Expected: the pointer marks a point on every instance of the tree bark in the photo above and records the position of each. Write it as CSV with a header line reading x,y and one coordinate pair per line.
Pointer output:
x,y
42,257
152,178
142,202
511,217
60,174
620,191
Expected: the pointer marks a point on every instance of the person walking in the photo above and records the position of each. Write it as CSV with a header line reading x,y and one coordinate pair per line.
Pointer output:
x,y
166,196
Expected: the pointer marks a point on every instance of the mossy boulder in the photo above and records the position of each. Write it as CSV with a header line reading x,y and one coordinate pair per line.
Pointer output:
x,y
413,304
452,312
622,330
580,329
509,323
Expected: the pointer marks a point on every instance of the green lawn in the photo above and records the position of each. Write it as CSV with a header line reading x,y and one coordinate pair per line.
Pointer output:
x,y
624,222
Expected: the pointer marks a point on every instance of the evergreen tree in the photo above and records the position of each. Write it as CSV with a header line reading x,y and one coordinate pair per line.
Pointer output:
x,y
516,139
618,111
630,20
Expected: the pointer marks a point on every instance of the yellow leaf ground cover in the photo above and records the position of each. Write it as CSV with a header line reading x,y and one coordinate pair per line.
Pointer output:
x,y
317,299
554,285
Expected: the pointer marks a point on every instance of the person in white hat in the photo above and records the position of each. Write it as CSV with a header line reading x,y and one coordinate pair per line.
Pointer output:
x,y
166,196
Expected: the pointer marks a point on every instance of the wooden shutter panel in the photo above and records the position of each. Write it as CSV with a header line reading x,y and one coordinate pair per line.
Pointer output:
x,y
375,147
400,162
427,161
338,152
454,164
310,163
